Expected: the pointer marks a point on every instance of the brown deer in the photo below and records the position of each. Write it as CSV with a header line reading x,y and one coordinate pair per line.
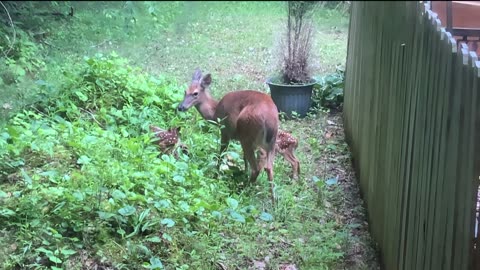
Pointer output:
x,y
248,116
168,140
286,144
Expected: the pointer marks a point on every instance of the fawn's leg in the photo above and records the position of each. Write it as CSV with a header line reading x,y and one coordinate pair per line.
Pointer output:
x,y
290,157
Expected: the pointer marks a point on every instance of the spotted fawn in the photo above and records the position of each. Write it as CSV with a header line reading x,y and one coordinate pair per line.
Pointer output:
x,y
168,140
286,145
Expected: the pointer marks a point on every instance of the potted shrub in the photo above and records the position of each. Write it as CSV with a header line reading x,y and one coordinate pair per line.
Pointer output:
x,y
291,90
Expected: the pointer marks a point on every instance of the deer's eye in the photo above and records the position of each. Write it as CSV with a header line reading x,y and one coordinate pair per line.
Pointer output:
x,y
195,94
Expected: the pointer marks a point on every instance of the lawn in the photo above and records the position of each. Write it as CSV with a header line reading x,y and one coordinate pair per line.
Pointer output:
x,y
82,185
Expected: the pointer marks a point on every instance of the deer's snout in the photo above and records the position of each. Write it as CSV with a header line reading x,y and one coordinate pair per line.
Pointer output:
x,y
181,107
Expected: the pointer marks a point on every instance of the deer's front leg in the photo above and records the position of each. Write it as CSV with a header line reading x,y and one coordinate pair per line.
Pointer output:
x,y
246,163
223,146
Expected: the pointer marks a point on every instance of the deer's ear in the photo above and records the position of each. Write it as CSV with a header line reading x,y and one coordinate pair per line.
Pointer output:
x,y
155,129
197,75
206,81
178,129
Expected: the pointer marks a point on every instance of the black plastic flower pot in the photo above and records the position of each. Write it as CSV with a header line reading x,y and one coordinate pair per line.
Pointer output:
x,y
292,98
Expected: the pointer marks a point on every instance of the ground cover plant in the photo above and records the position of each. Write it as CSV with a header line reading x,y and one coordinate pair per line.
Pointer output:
x,y
82,184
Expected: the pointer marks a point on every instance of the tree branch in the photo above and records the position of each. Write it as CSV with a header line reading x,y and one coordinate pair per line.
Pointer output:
x,y
14,32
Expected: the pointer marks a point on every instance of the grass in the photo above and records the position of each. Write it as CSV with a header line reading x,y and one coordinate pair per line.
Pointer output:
x,y
313,226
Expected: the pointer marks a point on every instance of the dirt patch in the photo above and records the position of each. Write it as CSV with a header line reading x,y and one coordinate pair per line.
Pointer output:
x,y
361,251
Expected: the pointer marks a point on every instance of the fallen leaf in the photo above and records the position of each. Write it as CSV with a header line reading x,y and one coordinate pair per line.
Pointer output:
x,y
332,181
288,267
259,265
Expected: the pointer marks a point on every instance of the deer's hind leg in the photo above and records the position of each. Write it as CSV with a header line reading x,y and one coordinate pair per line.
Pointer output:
x,y
249,155
270,157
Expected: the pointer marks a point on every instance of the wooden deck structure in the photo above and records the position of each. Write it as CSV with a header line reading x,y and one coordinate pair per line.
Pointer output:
x,y
462,19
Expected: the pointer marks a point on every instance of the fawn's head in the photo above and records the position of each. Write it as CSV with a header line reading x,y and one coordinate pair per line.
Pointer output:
x,y
196,92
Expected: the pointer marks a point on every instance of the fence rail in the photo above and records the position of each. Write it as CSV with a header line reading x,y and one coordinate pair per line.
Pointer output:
x,y
412,120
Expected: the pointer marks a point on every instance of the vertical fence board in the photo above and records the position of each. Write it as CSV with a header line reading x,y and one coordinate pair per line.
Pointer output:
x,y
432,253
440,213
435,114
475,253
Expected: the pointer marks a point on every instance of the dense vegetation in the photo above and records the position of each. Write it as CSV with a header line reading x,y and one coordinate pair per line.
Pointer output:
x,y
83,185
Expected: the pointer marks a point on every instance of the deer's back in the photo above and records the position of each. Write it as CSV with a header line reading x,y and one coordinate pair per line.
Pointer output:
x,y
247,112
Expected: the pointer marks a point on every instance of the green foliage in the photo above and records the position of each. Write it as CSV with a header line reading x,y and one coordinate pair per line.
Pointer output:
x,y
328,92
22,58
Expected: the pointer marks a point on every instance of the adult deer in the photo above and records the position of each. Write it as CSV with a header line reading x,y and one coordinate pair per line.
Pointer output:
x,y
248,116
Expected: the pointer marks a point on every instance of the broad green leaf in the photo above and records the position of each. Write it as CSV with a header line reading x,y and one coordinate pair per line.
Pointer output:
x,y
118,195
168,222
179,178
237,217
83,160
167,237
127,210
27,178
266,217
154,239
234,155
105,215
67,252
81,96
6,212
78,195
184,206
162,204
54,258
44,250
155,263
216,214
181,165
232,203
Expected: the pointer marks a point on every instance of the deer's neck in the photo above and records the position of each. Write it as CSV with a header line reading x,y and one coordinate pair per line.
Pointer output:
x,y
207,108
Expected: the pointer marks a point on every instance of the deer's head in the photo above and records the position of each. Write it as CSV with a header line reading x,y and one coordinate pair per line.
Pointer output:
x,y
196,92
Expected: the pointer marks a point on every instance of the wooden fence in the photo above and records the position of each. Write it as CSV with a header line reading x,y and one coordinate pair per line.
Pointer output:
x,y
412,120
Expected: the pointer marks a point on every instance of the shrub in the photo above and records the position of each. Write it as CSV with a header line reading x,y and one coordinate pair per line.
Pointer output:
x,y
328,92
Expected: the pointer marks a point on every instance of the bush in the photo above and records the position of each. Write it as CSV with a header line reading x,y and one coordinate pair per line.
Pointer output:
x,y
328,92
